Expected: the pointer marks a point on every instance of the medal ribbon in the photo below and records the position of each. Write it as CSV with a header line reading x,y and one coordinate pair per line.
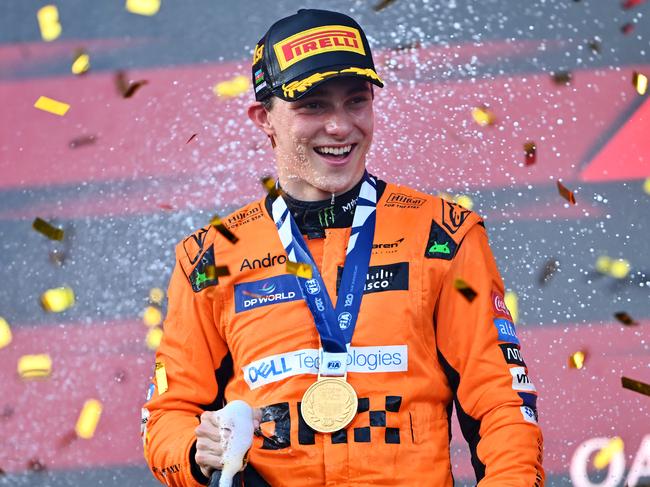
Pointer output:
x,y
335,325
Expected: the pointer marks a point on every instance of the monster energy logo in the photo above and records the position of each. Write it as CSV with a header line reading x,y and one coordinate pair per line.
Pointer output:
x,y
326,216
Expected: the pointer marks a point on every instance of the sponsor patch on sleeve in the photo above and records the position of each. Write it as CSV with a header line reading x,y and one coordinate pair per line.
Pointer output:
x,y
529,414
520,380
201,277
499,306
512,354
506,330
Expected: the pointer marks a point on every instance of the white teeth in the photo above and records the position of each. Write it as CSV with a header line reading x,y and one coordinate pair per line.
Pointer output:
x,y
337,151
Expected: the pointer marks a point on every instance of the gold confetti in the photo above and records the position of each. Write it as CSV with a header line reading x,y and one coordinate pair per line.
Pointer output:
x,y
577,360
5,333
47,229
619,269
462,287
566,193
154,337
550,268
483,116
143,7
82,140
640,82
161,378
221,228
212,272
604,456
561,77
88,419
603,264
48,22
35,366
635,385
646,186
156,295
58,299
81,63
464,201
269,185
232,88
512,303
530,149
52,106
152,316
625,318
299,269
382,5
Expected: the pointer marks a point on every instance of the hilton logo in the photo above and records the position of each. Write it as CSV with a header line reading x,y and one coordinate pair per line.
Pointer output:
x,y
400,200
242,217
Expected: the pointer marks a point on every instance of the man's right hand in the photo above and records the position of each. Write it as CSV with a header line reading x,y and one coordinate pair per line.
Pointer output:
x,y
212,440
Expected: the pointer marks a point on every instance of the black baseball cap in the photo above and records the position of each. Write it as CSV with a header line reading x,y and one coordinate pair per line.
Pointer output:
x,y
308,48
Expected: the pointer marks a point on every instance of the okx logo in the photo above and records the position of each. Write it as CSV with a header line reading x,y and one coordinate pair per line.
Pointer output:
x,y
389,277
274,290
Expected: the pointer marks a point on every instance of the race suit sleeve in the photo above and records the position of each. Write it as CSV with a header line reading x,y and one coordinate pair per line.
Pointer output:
x,y
477,347
193,352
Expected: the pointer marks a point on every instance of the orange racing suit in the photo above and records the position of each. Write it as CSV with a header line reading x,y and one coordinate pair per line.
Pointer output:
x,y
423,341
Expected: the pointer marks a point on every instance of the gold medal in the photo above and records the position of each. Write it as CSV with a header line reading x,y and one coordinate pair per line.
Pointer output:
x,y
329,404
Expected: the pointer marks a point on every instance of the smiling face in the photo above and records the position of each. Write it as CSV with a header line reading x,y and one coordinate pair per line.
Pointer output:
x,y
321,139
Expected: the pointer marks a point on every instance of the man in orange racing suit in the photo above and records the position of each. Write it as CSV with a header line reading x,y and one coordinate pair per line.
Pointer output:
x,y
421,342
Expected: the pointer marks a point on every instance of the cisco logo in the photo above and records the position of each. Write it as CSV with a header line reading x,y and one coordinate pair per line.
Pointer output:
x,y
389,277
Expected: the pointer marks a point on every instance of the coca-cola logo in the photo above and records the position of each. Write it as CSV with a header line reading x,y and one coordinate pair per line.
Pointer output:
x,y
500,305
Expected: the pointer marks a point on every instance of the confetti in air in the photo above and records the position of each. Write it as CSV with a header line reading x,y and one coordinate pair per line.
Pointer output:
x,y
635,385
58,299
221,228
382,5
619,269
232,88
530,150
154,337
566,193
191,138
562,78
212,272
143,7
35,366
548,271
125,87
82,141
625,318
88,419
271,188
47,229
152,316
640,82
52,106
604,456
299,269
512,303
5,333
48,22
463,288
577,360
464,201
156,295
81,63
483,116
161,378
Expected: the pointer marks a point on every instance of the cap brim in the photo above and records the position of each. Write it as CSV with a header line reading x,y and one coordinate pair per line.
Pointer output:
x,y
307,82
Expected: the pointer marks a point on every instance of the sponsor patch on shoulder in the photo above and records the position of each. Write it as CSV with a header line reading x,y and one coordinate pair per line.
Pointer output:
x,y
453,216
201,277
274,290
193,245
440,245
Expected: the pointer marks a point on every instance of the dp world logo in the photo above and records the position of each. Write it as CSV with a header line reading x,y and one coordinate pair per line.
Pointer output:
x,y
345,320
312,286
267,288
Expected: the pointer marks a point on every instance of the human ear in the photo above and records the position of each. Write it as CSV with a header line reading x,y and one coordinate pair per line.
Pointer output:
x,y
260,117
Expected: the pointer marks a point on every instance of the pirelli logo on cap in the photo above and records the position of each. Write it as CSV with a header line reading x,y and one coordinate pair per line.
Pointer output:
x,y
318,40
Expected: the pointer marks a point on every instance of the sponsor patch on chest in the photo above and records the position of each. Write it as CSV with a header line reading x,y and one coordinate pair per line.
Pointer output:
x,y
274,290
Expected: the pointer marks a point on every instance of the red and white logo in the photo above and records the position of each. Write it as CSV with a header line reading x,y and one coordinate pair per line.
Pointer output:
x,y
499,305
